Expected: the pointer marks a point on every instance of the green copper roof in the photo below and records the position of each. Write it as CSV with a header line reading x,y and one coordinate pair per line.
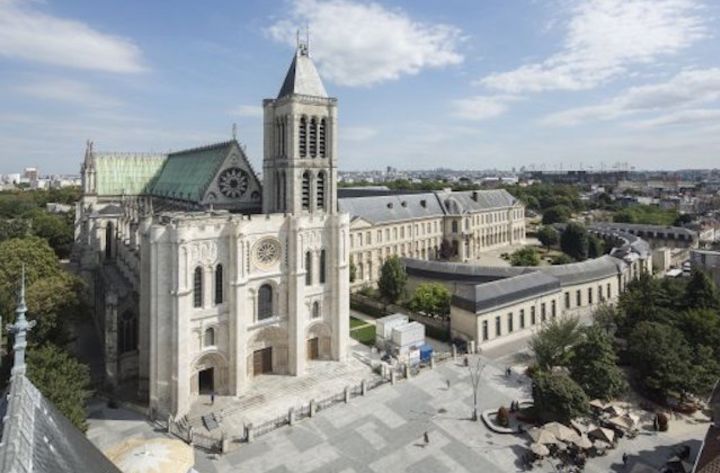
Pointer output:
x,y
187,174
130,174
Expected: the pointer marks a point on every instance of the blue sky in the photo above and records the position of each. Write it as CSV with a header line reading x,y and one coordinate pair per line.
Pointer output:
x,y
421,84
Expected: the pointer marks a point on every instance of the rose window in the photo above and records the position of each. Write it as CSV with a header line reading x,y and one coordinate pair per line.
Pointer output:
x,y
233,182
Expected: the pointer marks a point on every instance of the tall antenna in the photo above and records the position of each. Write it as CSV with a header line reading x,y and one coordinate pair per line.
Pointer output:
x,y
234,131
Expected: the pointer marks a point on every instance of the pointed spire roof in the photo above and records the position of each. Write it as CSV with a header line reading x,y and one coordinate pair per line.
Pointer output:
x,y
302,77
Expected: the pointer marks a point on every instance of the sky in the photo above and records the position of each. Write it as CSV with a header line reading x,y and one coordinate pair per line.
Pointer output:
x,y
421,84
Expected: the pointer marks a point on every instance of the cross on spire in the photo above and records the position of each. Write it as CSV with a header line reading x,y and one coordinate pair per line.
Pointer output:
x,y
20,329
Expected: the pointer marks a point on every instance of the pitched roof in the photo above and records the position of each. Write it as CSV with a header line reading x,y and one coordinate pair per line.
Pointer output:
x,y
302,78
37,438
391,208
187,174
492,295
126,173
473,201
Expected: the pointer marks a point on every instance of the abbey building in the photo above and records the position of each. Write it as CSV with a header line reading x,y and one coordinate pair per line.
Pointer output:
x,y
204,276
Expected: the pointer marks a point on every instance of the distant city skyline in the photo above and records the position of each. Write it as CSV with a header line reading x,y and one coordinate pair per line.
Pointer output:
x,y
477,85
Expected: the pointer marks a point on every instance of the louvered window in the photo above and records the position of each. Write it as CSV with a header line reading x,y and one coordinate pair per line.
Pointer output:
x,y
321,191
313,137
303,137
321,138
306,190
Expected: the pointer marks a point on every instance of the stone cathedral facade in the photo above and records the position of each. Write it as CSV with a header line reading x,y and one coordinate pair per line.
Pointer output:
x,y
204,277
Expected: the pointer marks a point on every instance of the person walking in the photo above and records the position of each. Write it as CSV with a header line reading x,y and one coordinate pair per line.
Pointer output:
x,y
212,398
426,437
448,384
625,458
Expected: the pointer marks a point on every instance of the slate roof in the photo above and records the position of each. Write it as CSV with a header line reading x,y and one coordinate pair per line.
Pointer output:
x,y
392,208
708,460
491,295
187,174
473,201
585,271
648,230
126,173
37,438
461,272
302,78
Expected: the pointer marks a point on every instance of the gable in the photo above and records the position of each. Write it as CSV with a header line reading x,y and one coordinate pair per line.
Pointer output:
x,y
234,184
359,223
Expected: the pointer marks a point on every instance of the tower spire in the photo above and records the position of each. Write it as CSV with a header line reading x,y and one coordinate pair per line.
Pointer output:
x,y
20,329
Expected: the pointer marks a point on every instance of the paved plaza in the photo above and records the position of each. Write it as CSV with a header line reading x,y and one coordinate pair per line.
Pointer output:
x,y
383,432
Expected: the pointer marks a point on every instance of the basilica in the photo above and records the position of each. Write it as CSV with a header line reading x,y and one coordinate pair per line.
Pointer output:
x,y
204,277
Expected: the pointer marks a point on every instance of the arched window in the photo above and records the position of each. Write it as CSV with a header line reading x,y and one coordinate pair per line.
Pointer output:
x,y
313,137
302,137
308,268
265,302
127,332
454,226
209,337
219,284
320,202
316,310
278,191
198,287
321,138
109,236
323,269
306,190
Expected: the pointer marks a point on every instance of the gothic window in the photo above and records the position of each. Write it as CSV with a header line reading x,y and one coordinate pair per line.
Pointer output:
x,y
219,284
313,137
308,268
302,137
265,302
321,138
127,332
233,182
283,140
316,310
198,287
321,190
209,337
278,194
454,226
323,268
306,190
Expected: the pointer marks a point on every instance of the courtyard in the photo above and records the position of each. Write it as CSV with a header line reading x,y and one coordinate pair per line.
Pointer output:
x,y
384,432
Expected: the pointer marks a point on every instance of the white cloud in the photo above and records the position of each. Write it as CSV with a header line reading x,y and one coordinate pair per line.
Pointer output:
x,y
64,90
682,118
482,107
28,34
357,133
253,111
687,89
360,44
604,38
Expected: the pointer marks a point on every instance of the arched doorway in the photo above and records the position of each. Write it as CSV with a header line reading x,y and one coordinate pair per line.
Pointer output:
x,y
268,352
209,375
318,342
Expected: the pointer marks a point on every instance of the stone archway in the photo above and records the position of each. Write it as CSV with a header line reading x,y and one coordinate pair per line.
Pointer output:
x,y
268,352
318,341
209,375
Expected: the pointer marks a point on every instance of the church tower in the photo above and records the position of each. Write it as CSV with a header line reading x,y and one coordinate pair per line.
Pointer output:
x,y
300,147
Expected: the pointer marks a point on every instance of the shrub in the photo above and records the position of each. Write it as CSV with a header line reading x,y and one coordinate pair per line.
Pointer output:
x,y
503,416
662,421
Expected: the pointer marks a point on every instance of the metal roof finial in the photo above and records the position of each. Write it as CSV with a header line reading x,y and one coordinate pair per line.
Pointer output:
x,y
20,329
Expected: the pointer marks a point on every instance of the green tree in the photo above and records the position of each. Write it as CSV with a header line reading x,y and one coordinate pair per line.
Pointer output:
x,y
642,301
548,236
527,256
596,247
393,279
574,241
62,380
551,345
593,365
57,229
53,302
557,214
432,299
662,359
562,259
39,260
700,292
557,397
605,318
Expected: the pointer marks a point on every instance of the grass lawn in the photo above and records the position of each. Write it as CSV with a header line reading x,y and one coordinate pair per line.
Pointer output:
x,y
364,335
355,322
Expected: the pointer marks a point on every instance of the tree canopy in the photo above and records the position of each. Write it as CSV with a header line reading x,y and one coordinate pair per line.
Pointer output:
x,y
557,397
552,345
40,262
527,256
62,380
548,236
393,279
557,214
432,299
574,241
593,365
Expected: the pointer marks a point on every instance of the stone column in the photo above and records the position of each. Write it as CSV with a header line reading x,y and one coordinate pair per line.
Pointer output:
x,y
296,296
111,349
